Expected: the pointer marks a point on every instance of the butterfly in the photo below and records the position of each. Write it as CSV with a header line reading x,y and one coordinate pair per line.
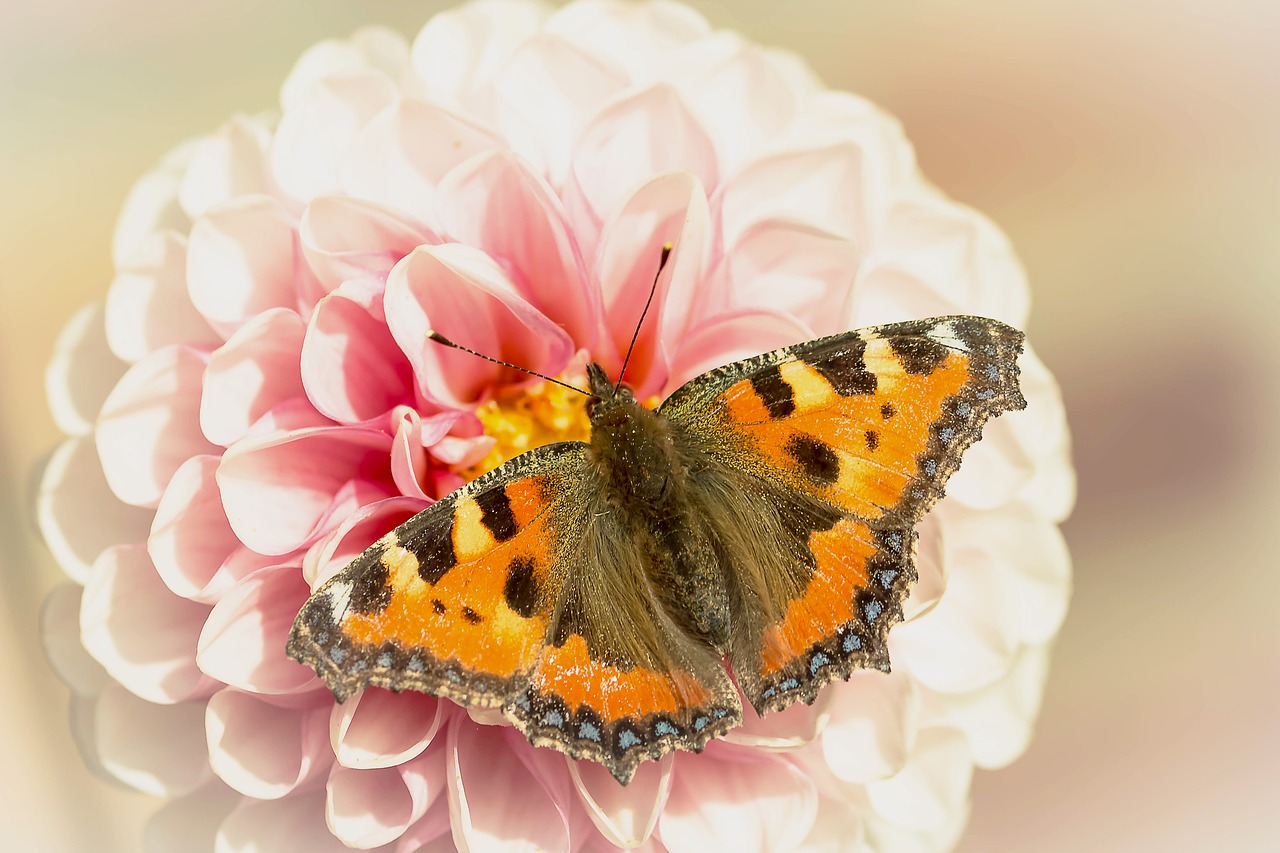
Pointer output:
x,y
762,517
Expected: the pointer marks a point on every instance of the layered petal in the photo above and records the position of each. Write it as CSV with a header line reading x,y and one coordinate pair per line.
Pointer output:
x,y
265,750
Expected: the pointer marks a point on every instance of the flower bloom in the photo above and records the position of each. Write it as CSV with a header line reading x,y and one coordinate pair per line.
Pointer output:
x,y
257,401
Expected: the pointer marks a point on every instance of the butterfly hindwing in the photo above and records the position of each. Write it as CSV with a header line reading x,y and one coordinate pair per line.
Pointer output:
x,y
869,424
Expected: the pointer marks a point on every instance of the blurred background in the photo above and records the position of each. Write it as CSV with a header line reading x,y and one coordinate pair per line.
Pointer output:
x,y
1132,152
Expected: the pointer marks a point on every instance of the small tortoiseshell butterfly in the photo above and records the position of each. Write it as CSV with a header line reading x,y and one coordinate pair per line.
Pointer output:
x,y
765,512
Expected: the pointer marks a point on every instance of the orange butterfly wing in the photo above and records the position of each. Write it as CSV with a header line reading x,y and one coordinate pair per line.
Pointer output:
x,y
861,430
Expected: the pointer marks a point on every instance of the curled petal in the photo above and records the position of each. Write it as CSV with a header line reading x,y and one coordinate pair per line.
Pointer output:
x,y
345,238
141,633
148,306
230,162
79,515
838,829
241,261
463,294
315,132
191,542
82,372
60,635
149,425
368,49
372,807
545,93
872,728
354,535
377,728
933,785
625,816
634,138
997,719
264,750
400,157
730,336
288,825
790,728
152,204
715,803
254,373
283,490
738,92
351,367
457,52
494,802
498,204
1041,430
638,37
242,642
158,749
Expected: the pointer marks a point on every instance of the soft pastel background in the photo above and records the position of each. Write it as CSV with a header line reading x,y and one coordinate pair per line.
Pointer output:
x,y
1132,151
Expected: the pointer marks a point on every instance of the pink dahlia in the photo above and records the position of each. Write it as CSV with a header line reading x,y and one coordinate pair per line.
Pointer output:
x,y
257,401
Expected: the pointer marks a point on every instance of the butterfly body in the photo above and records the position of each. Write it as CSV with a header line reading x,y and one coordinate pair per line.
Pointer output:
x,y
762,517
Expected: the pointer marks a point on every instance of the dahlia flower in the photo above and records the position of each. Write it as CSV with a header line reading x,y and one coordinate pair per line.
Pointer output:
x,y
257,401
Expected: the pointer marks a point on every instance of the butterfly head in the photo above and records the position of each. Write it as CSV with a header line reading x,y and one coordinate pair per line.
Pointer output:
x,y
609,404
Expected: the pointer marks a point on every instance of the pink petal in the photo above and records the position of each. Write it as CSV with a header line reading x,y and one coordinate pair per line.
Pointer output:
x,y
141,633
638,37
60,636
190,822
255,372
793,267
263,750
931,788
997,720
354,535
149,424
430,833
368,49
344,238
369,808
242,642
634,138
872,726
158,749
152,204
378,728
315,132
931,563
401,155
410,464
730,798
626,816
788,729
351,367
240,261
191,542
496,203
290,825
464,295
817,185
495,804
457,52
731,336
82,371
79,515
668,209
228,163
282,490
545,93
148,306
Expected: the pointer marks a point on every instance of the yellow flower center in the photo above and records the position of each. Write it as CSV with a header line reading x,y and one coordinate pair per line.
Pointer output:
x,y
522,418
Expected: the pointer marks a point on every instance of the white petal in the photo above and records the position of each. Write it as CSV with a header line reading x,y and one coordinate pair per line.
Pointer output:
x,y
872,726
371,807
141,633
998,719
378,728
158,749
231,162
262,750
372,48
190,823
289,825
838,829
932,787
152,204
626,816
79,515
82,371
638,37
60,635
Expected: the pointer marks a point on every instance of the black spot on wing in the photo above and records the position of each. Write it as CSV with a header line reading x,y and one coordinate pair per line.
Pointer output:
x,y
818,461
496,516
846,370
432,544
521,589
438,606
774,392
371,594
887,411
471,616
919,355
873,439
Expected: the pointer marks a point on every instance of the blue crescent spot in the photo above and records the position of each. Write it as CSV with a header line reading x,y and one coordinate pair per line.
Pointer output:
x,y
453,676
886,576
873,609
522,702
628,739
416,665
768,693
701,723
590,731
992,372
963,409
665,728
789,684
384,660
895,541
338,656
985,394
946,434
359,666
931,466
817,662
322,638
553,718
852,642
720,712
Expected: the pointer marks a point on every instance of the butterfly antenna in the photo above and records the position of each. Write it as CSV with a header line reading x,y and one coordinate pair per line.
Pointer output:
x,y
443,341
666,253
